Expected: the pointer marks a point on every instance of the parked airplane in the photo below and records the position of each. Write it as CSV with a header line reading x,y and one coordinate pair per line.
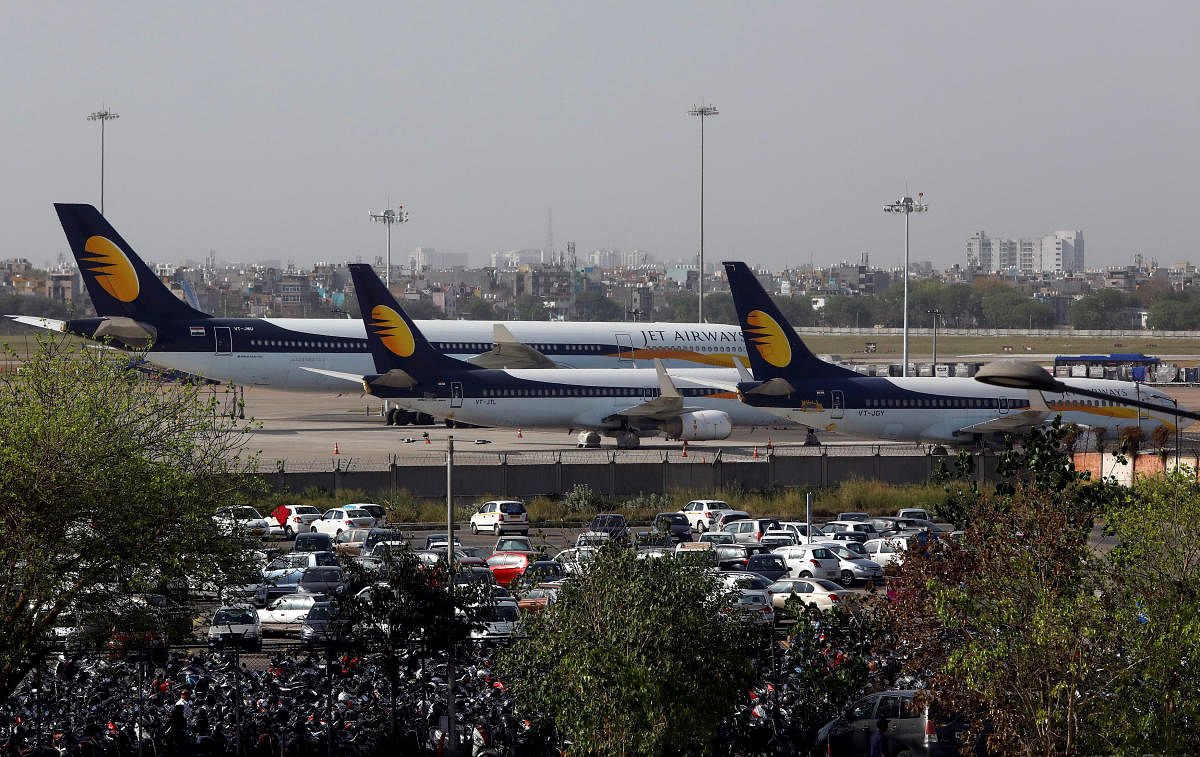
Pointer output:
x,y
136,309
789,381
626,404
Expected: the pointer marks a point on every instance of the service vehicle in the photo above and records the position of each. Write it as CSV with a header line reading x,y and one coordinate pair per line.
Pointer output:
x,y
498,516
339,519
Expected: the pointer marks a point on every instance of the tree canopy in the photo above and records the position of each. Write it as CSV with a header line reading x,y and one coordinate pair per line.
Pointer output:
x,y
108,485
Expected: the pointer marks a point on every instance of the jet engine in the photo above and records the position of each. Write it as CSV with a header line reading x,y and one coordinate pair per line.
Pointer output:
x,y
698,426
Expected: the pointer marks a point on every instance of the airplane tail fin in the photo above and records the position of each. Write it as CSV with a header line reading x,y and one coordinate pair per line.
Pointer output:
x,y
119,282
773,346
395,341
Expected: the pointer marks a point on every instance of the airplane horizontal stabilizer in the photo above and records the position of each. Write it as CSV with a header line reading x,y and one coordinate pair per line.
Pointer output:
x,y
355,377
1013,423
50,324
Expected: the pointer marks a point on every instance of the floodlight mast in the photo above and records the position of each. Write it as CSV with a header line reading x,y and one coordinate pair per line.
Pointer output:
x,y
389,217
703,111
907,206
102,115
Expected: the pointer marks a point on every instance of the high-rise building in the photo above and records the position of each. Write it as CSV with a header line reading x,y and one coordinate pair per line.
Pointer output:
x,y
1060,252
979,252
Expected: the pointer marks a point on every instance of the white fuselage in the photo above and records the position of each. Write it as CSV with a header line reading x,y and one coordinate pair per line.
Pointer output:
x,y
942,409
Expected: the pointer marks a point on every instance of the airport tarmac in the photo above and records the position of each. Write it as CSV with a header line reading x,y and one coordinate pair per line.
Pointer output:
x,y
303,429
298,427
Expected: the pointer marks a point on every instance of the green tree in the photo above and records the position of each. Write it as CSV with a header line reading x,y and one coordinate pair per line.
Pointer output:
x,y
635,657
844,310
531,308
998,307
592,305
1106,309
797,309
108,485
422,309
478,309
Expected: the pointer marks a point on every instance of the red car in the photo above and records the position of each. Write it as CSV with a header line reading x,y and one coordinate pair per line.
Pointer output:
x,y
506,566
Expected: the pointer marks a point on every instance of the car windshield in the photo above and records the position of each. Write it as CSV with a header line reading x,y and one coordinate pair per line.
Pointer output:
x,y
246,513
855,548
750,582
357,512
827,585
234,617
512,544
772,563
781,587
305,510
318,612
374,537
512,508
675,519
501,612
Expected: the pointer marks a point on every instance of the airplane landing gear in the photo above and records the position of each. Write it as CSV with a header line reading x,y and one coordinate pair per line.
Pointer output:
x,y
628,440
589,440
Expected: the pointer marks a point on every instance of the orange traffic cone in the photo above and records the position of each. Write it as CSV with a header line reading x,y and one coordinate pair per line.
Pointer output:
x,y
427,439
684,449
755,451
519,434
335,449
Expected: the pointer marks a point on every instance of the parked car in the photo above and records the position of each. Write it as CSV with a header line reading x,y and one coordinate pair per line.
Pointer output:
x,y
886,551
910,730
674,525
853,567
438,541
731,556
907,527
777,537
287,613
810,561
235,625
744,580
611,525
918,513
322,580
749,530
800,530
377,536
378,512
508,566
755,607
498,516
339,519
350,543
864,527
541,571
539,597
769,566
316,629
726,517
311,542
290,562
295,519
853,516
575,560
501,620
813,593
716,537
242,520
697,553
702,512
514,544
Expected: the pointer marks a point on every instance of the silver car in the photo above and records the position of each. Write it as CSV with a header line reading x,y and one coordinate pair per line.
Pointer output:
x,y
852,566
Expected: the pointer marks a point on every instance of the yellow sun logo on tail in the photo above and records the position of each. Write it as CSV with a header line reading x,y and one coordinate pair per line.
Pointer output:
x,y
769,339
392,331
112,268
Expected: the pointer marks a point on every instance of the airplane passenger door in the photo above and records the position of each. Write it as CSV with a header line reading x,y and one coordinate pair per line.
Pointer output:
x,y
456,394
224,340
625,351
837,405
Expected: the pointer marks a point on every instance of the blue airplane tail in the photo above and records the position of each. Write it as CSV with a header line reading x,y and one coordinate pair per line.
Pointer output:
x,y
393,337
119,282
773,346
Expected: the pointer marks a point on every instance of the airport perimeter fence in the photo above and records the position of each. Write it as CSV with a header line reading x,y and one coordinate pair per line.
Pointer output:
x,y
621,472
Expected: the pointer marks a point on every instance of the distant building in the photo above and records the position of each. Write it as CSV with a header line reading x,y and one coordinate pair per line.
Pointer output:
x,y
1060,252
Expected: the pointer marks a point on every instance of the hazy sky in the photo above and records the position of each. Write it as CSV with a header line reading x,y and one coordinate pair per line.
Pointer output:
x,y
270,129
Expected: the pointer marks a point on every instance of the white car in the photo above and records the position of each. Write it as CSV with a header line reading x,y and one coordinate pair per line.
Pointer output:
x,y
755,606
810,561
862,529
576,560
800,530
295,519
918,513
287,613
340,519
813,592
498,516
378,512
701,513
501,620
886,551
243,520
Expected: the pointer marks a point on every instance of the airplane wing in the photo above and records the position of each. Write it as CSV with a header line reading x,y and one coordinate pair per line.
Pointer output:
x,y
1036,415
508,352
52,324
395,378
669,403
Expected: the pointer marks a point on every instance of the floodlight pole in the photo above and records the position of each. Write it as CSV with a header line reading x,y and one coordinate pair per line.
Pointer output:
x,y
387,218
102,115
907,206
936,313
703,111
451,714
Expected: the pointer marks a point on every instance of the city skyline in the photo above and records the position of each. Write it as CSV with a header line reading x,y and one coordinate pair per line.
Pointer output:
x,y
272,131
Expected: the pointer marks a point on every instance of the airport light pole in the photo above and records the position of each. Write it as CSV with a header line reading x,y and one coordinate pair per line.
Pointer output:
x,y
102,115
936,313
387,218
907,206
703,111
